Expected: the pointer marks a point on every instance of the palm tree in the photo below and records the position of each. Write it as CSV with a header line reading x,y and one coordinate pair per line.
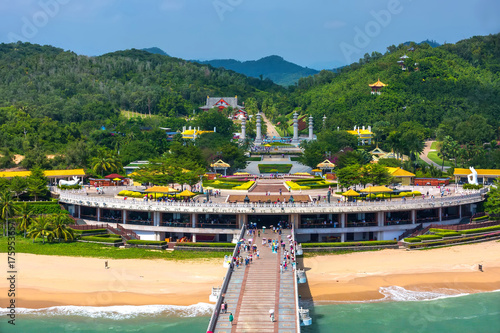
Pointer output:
x,y
41,227
60,229
25,217
7,209
105,162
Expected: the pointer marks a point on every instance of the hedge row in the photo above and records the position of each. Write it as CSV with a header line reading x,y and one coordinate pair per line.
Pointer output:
x,y
412,240
345,244
42,207
479,230
272,168
429,237
101,239
146,242
448,234
480,218
206,244
450,241
294,186
472,187
244,186
70,187
92,231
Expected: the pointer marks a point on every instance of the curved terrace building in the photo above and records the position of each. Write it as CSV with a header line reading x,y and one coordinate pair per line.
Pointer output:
x,y
313,221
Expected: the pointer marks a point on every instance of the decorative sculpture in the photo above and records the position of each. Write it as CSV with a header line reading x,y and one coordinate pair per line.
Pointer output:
x,y
75,181
472,178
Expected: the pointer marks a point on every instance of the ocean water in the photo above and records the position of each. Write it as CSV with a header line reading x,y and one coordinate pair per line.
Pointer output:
x,y
401,311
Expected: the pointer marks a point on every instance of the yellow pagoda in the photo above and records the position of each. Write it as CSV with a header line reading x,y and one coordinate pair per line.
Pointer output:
x,y
377,87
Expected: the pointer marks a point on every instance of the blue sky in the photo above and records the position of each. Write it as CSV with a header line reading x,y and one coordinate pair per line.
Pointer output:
x,y
314,33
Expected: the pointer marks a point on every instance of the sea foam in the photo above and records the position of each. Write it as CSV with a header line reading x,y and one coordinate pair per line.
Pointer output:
x,y
120,312
400,294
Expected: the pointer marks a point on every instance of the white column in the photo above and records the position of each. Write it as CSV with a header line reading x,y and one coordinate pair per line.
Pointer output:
x,y
295,138
342,237
413,216
193,220
311,127
80,212
380,218
194,238
98,214
124,216
440,212
258,137
243,129
343,219
156,219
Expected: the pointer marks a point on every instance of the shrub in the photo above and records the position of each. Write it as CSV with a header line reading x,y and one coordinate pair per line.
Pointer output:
x,y
429,237
43,207
101,239
480,218
270,168
412,240
345,244
472,186
448,234
146,242
480,230
69,187
244,186
200,244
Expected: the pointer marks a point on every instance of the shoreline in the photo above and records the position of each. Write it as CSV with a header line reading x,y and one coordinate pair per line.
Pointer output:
x,y
46,281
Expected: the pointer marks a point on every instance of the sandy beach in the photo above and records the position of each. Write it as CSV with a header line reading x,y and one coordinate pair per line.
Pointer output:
x,y
44,281
359,276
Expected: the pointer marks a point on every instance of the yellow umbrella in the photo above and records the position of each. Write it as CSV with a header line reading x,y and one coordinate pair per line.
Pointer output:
x,y
116,179
186,193
376,189
351,193
209,188
268,145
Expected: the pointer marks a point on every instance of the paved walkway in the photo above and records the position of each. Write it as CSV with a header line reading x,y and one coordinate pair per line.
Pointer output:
x,y
427,150
271,130
257,288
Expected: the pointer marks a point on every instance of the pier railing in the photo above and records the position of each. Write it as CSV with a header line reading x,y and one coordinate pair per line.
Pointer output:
x,y
295,284
225,284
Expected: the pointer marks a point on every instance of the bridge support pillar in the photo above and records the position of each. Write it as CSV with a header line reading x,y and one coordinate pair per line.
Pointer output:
x,y
413,216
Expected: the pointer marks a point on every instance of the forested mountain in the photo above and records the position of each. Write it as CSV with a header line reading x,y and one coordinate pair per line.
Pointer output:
x,y
447,88
155,50
273,67
73,88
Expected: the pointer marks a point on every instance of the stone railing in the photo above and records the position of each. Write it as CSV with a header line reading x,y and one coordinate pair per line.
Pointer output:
x,y
107,202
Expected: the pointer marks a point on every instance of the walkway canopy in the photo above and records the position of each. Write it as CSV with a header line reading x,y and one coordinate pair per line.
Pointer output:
x,y
376,189
161,189
351,193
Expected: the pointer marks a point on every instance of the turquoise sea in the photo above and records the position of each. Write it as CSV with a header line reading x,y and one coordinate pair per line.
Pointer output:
x,y
404,312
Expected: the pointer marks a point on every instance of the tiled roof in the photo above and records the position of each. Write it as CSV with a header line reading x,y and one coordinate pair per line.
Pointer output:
x,y
480,172
48,173
398,172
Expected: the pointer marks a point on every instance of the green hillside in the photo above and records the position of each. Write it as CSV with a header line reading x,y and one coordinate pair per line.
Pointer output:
x,y
72,88
453,83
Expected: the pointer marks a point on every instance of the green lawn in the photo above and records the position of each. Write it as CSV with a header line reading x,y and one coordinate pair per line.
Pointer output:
x,y
254,159
295,159
433,156
273,168
77,249
435,145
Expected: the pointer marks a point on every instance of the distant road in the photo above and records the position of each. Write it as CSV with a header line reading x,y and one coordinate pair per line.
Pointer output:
x,y
271,130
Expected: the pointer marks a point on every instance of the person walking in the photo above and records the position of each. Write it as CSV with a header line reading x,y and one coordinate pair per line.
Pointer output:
x,y
231,318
